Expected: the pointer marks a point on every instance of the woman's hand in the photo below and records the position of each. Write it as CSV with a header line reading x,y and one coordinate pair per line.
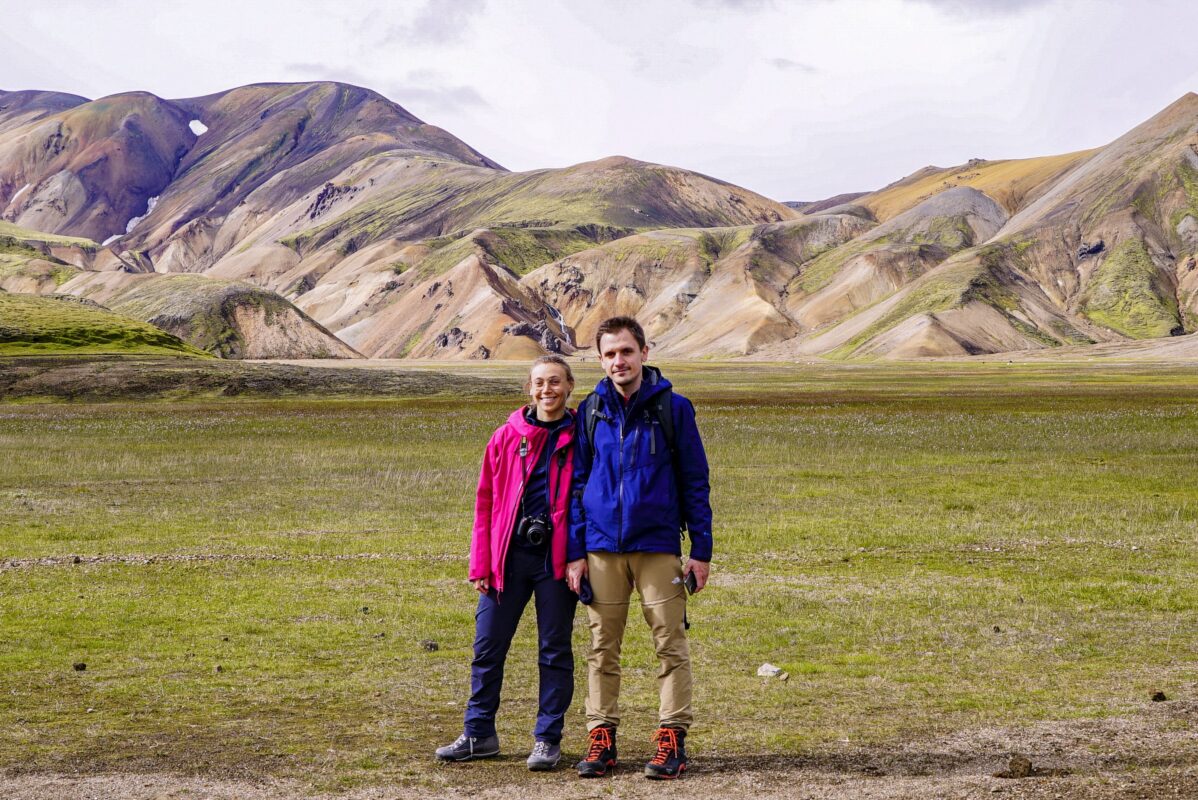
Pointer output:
x,y
481,586
575,572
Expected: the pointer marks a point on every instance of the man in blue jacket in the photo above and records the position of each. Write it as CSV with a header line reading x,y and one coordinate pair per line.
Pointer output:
x,y
640,479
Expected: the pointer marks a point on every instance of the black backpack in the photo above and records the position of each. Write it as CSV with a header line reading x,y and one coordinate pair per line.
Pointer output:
x,y
660,408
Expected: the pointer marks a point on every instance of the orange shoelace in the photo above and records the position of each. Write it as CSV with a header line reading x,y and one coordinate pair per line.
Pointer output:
x,y
667,745
600,741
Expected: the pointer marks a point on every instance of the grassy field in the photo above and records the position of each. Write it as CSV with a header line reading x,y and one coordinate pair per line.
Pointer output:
x,y
251,583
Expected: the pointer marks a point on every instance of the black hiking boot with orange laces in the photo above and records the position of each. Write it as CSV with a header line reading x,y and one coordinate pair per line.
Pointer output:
x,y
601,753
670,761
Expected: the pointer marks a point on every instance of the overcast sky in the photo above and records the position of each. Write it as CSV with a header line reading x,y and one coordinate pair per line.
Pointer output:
x,y
796,99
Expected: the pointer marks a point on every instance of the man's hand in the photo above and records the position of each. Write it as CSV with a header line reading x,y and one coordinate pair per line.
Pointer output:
x,y
575,572
481,586
701,569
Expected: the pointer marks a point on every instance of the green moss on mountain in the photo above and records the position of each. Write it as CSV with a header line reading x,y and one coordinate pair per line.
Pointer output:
x,y
820,271
9,230
949,289
1187,178
523,250
612,195
15,248
952,233
200,310
446,257
1130,295
32,325
13,266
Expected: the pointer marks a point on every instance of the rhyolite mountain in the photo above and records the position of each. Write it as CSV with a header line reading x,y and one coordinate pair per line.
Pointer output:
x,y
363,228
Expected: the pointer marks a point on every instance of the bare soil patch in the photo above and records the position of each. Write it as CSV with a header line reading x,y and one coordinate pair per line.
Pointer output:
x,y
1151,754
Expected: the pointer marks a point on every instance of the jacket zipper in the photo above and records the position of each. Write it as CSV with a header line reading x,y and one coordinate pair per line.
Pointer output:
x,y
524,475
620,527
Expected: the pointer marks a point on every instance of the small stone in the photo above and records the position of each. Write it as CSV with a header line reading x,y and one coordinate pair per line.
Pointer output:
x,y
768,670
1020,766
430,645
91,711
76,560
1159,697
80,666
380,636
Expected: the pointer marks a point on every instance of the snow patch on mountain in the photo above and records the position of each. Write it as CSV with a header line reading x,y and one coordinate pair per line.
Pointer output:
x,y
149,208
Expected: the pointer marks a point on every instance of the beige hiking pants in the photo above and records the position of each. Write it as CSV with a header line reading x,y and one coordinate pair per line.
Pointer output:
x,y
613,576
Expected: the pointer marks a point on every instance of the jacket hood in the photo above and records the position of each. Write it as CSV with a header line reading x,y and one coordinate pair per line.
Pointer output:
x,y
525,428
652,383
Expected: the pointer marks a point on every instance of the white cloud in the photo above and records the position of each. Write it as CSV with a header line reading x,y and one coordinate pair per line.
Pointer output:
x,y
790,64
794,99
436,22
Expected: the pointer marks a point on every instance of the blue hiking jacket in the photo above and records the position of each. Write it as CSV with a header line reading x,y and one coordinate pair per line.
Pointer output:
x,y
628,496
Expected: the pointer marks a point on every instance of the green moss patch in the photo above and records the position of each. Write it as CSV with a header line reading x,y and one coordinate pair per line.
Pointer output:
x,y
1130,295
17,266
32,325
9,230
198,309
524,249
949,289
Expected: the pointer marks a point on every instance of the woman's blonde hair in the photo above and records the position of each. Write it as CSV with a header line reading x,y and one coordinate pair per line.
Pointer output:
x,y
551,358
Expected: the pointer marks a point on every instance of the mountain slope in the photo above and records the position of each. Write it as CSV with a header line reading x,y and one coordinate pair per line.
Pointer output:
x,y
352,225
90,169
32,325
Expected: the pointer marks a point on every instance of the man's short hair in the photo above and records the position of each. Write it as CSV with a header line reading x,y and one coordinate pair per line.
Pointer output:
x,y
617,324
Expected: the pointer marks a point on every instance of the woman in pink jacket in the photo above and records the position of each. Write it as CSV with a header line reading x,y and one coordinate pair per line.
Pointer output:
x,y
519,552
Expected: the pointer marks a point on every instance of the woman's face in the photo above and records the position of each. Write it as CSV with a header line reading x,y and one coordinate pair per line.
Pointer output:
x,y
548,387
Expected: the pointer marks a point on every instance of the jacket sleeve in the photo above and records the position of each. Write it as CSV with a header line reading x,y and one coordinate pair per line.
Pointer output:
x,y
480,540
695,490
576,542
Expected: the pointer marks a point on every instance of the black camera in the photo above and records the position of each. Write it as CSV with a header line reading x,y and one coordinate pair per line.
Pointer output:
x,y
534,531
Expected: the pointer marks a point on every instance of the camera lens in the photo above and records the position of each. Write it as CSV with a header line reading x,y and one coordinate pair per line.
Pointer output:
x,y
536,533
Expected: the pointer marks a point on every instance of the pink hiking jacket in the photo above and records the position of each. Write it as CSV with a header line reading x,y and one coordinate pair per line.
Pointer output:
x,y
500,486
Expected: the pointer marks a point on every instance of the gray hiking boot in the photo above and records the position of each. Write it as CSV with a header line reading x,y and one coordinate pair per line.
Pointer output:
x,y
468,748
544,756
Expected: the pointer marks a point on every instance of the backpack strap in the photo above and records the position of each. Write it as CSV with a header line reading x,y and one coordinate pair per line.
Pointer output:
x,y
663,409
590,410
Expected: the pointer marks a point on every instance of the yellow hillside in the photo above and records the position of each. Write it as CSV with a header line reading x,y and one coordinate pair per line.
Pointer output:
x,y
1011,183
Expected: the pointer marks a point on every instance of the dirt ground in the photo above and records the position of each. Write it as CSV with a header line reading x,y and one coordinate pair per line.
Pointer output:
x,y
1151,754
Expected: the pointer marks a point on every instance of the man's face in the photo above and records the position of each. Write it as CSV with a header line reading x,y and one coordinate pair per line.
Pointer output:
x,y
622,357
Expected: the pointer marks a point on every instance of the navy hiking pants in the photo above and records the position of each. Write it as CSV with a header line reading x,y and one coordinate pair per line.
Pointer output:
x,y
527,574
